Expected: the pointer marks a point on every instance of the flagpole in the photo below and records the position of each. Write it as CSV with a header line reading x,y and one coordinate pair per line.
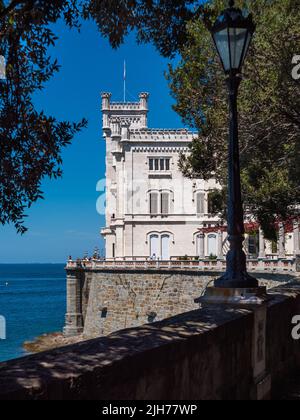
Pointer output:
x,y
124,81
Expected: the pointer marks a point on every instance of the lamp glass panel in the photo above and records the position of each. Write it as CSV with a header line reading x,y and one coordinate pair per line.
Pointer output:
x,y
221,40
237,39
248,41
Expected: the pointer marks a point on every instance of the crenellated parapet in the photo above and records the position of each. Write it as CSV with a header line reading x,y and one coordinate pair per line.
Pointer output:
x,y
106,98
130,115
144,97
168,135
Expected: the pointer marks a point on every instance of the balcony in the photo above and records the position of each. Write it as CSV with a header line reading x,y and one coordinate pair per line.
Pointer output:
x,y
144,264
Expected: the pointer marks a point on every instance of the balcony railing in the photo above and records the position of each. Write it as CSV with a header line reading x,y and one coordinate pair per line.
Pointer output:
x,y
178,265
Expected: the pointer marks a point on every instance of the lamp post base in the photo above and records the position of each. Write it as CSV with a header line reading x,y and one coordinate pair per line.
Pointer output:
x,y
237,296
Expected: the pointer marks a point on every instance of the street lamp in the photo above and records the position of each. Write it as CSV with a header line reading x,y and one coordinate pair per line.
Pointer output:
x,y
232,34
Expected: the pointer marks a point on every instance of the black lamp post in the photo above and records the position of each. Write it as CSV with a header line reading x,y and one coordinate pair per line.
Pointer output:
x,y
232,34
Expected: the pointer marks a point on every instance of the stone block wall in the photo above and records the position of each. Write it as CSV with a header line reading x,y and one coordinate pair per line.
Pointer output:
x,y
123,300
113,300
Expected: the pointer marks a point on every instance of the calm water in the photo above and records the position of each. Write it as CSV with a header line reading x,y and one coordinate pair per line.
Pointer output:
x,y
33,301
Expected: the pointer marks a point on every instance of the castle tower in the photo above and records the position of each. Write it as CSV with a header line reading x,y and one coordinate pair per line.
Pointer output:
x,y
132,114
152,211
119,120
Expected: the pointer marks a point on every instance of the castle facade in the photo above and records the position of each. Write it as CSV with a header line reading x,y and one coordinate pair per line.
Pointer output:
x,y
152,210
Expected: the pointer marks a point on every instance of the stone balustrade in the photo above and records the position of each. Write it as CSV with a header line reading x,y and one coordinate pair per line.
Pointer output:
x,y
270,265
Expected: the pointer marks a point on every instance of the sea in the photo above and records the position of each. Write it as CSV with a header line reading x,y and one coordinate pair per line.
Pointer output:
x,y
32,303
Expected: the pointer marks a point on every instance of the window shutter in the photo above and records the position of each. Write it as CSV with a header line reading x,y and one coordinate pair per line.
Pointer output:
x,y
165,203
153,203
200,203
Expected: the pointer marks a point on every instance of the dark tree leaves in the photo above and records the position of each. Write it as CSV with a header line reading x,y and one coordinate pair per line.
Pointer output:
x,y
269,111
161,22
30,141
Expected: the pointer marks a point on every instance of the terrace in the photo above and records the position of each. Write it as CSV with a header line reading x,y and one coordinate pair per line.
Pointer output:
x,y
269,265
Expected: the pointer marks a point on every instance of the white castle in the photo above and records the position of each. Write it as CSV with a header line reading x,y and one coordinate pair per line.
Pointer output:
x,y
152,210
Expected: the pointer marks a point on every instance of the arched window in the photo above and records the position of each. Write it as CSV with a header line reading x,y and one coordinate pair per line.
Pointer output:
x,y
154,246
200,244
165,247
159,202
154,203
210,204
165,203
252,245
200,203
212,245
160,244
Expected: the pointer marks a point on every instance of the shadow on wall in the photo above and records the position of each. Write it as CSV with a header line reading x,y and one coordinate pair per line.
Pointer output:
x,y
116,366
201,355
280,278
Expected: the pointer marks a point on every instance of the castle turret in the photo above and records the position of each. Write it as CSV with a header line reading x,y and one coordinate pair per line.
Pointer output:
x,y
131,115
106,101
144,97
106,97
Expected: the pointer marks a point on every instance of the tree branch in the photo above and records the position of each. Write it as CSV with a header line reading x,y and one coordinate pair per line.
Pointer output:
x,y
10,8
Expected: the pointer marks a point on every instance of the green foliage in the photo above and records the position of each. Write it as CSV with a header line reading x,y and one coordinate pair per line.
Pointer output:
x,y
269,109
30,141
161,22
217,202
184,258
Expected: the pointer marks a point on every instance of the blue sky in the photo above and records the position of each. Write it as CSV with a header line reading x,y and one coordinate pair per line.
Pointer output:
x,y
66,222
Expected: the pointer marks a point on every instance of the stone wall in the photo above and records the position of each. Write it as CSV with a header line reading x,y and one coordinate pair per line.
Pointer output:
x,y
215,353
116,299
134,299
